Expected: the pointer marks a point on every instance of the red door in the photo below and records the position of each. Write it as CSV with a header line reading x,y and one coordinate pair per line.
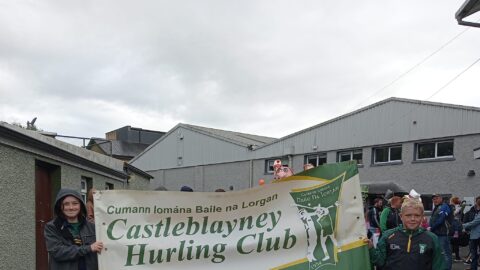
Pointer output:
x,y
43,213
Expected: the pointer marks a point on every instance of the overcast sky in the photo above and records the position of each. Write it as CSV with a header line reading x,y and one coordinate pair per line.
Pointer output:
x,y
264,67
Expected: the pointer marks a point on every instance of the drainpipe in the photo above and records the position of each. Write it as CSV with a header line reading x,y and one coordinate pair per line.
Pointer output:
x,y
251,173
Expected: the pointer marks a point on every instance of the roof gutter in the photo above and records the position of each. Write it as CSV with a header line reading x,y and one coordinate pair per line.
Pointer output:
x,y
131,168
19,137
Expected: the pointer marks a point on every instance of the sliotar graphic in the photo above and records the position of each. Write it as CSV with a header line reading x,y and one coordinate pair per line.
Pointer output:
x,y
317,209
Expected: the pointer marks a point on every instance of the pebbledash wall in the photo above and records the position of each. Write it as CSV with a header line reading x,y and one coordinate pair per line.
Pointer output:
x,y
17,211
21,151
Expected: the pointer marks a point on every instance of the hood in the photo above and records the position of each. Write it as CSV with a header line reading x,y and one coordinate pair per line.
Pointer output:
x,y
68,192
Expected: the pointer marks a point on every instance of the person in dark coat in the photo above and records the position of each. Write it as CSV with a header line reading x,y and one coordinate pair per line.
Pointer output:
x,y
374,215
186,189
472,225
70,238
390,216
438,226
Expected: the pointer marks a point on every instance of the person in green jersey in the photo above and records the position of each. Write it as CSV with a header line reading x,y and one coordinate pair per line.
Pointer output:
x,y
408,246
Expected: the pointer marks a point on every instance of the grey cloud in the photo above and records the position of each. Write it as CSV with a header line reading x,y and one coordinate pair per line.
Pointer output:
x,y
240,65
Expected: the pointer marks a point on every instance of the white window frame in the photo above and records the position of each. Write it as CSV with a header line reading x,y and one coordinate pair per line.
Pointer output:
x,y
476,153
417,152
350,152
269,163
389,158
83,188
317,158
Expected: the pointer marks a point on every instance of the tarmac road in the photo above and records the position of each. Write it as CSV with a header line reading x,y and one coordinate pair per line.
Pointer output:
x,y
460,265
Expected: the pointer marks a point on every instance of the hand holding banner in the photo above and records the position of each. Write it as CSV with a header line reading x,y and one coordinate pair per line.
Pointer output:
x,y
309,221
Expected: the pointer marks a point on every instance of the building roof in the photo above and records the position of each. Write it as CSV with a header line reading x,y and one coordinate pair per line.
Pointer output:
x,y
468,8
134,135
130,167
118,148
393,120
66,151
242,139
249,141
382,102
137,129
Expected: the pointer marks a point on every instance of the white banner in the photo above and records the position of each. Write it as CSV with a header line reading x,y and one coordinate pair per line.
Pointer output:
x,y
286,225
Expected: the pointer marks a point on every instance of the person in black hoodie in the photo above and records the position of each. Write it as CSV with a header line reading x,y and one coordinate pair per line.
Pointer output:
x,y
474,239
439,226
70,239
374,215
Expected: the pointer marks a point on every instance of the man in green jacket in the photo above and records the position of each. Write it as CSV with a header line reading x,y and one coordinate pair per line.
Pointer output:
x,y
408,246
390,216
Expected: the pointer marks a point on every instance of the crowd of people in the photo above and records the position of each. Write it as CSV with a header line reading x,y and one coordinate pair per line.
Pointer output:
x,y
407,240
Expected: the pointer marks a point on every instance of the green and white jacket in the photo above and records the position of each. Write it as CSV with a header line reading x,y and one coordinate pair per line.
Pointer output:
x,y
399,248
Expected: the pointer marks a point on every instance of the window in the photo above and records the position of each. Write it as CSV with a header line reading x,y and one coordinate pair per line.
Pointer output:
x,y
476,153
432,150
83,188
316,160
387,154
108,186
269,164
351,155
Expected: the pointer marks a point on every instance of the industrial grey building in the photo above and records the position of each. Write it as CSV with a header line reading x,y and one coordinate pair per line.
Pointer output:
x,y
428,146
33,168
124,143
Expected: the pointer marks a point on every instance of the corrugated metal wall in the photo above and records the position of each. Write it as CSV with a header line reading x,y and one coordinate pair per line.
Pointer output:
x,y
205,178
391,122
185,148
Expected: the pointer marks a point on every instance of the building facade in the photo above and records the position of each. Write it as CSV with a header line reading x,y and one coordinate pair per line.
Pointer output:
x,y
33,169
124,143
427,146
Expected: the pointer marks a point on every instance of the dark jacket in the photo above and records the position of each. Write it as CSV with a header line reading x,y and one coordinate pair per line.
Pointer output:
x,y
470,215
389,219
374,217
65,252
399,248
473,224
438,221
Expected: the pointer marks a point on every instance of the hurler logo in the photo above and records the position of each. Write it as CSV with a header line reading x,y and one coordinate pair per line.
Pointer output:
x,y
317,209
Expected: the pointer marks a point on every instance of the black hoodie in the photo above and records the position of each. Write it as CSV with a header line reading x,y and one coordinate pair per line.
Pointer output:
x,y
67,253
58,203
